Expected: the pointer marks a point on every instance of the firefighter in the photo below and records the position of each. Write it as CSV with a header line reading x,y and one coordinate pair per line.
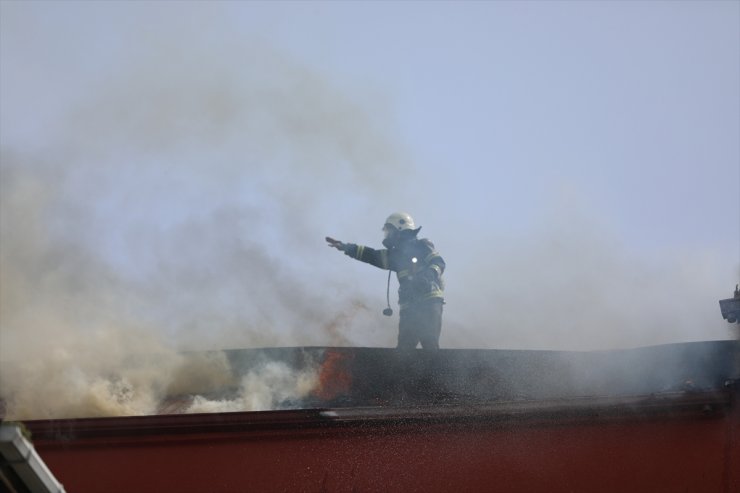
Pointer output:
x,y
419,269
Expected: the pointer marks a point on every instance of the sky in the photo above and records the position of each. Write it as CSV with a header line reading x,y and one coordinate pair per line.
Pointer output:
x,y
169,171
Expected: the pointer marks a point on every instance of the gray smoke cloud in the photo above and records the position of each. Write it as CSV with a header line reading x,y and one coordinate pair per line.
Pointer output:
x,y
175,197
572,284
178,206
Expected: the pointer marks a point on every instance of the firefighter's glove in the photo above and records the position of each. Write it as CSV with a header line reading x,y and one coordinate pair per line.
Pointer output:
x,y
336,244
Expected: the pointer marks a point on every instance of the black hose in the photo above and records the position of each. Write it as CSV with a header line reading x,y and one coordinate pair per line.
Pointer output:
x,y
388,311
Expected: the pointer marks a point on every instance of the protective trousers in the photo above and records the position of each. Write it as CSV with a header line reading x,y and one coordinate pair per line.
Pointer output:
x,y
420,322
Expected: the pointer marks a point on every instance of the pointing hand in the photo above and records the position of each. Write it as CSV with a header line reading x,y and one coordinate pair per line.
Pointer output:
x,y
335,243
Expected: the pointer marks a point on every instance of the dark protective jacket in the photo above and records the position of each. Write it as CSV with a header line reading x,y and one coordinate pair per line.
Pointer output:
x,y
417,264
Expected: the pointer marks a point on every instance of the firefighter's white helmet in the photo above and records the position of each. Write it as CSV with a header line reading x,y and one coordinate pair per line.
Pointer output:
x,y
400,221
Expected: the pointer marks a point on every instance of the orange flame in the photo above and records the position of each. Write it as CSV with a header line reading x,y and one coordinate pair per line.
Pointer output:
x,y
335,377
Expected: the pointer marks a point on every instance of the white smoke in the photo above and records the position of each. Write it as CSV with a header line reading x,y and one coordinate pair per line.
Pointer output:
x,y
271,386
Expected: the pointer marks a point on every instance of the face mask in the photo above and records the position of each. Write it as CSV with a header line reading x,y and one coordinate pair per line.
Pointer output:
x,y
390,235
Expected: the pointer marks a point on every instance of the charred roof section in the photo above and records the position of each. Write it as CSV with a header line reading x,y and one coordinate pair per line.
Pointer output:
x,y
361,377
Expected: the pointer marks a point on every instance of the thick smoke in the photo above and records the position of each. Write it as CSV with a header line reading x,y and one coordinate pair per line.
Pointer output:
x,y
178,205
175,197
273,384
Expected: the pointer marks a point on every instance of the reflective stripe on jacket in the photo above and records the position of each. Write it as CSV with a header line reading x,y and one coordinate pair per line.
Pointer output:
x,y
417,265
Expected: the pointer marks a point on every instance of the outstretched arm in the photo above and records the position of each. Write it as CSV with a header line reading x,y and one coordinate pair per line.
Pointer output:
x,y
378,258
